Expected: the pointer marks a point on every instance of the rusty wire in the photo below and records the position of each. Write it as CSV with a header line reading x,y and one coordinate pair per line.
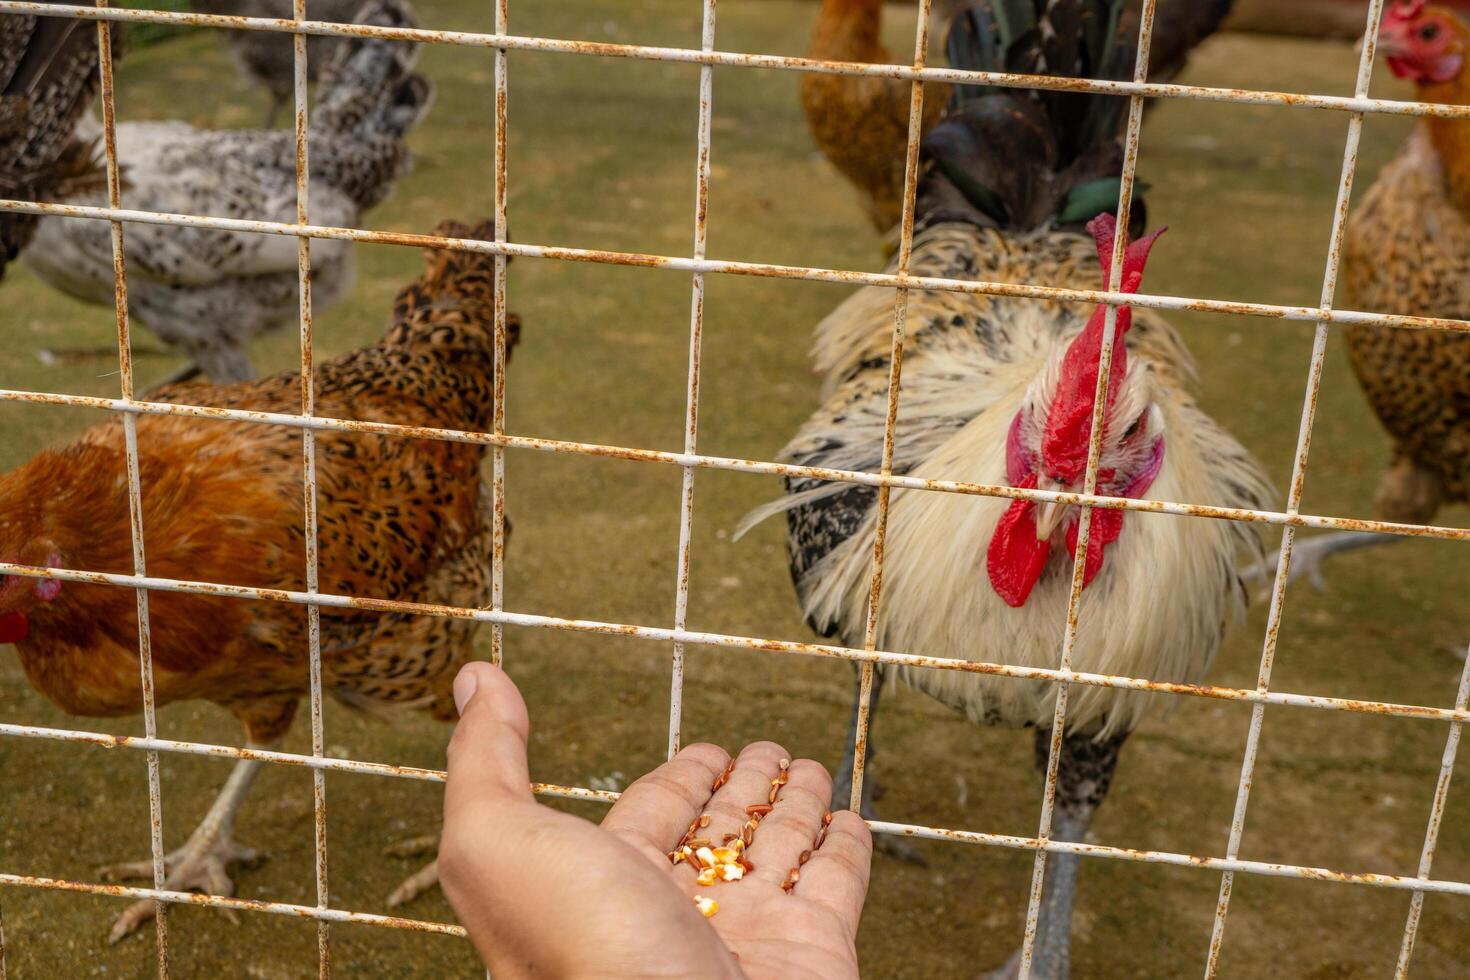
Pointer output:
x,y
691,398
698,265
1298,481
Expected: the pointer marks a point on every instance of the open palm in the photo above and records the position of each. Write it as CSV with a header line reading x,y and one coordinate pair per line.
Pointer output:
x,y
544,892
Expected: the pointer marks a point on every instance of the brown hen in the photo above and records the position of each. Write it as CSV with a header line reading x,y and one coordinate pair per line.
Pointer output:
x,y
861,123
1407,251
398,518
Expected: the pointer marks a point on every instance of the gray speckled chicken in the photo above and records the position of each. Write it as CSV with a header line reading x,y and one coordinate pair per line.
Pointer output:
x,y
209,291
267,59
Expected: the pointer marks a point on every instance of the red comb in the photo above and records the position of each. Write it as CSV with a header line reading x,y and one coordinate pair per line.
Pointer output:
x,y
1404,10
1065,440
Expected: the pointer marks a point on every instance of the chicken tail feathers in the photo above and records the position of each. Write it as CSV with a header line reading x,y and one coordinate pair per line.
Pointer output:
x,y
369,101
1022,159
48,75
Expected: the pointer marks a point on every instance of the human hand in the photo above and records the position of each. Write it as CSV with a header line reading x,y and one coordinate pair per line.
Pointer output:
x,y
543,892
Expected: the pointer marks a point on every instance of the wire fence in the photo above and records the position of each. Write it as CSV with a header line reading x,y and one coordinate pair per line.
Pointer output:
x,y
708,56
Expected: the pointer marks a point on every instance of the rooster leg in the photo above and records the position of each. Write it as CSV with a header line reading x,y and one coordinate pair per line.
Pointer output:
x,y
842,784
1307,555
203,862
224,363
1084,773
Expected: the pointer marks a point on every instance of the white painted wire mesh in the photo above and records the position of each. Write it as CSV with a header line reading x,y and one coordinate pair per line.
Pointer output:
x,y
707,56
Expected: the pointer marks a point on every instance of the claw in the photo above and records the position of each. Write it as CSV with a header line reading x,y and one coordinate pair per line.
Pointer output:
x,y
414,846
897,847
415,885
193,867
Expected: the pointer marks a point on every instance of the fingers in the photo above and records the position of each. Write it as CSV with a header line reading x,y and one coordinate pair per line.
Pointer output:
x,y
749,786
487,753
657,809
837,874
791,828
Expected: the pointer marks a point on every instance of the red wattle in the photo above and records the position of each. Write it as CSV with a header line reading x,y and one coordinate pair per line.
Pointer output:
x,y
1015,558
14,627
1106,526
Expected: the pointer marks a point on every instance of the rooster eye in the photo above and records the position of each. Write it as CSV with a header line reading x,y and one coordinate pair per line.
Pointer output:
x,y
1429,32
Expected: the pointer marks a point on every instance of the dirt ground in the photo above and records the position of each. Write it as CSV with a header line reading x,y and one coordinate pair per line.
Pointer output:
x,y
602,156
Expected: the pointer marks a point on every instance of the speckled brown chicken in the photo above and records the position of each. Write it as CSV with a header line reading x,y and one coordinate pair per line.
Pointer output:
x,y
398,518
48,75
1407,251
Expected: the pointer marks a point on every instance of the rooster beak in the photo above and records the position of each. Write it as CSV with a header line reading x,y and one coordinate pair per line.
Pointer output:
x,y
1048,514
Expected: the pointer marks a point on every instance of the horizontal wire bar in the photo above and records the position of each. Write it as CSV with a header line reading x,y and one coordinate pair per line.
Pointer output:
x,y
1312,314
323,763
695,56
729,641
735,464
237,904
607,796
1268,868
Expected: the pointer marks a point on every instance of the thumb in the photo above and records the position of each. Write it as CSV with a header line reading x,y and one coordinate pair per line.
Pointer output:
x,y
487,753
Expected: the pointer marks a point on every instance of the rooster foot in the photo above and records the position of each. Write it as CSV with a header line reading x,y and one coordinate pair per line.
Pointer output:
x,y
420,881
898,847
888,844
415,885
1041,968
413,847
197,866
1307,555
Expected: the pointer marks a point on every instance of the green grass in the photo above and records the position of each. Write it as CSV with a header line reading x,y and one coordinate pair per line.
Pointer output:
x,y
602,156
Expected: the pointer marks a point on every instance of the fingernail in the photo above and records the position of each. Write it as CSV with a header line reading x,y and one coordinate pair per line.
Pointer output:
x,y
464,688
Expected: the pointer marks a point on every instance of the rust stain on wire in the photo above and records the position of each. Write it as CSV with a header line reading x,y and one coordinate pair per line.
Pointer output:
x,y
512,42
725,640
134,485
755,269
1298,482
237,904
684,556
906,482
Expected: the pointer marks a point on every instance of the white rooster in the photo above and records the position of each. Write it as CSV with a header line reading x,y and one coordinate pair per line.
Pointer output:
x,y
1001,391
209,291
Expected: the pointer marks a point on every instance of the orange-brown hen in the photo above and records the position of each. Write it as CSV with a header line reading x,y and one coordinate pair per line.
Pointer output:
x,y
861,123
398,518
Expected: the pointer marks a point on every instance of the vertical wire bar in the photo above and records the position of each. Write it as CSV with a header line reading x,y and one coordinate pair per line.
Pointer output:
x,y
1431,833
309,515
895,373
497,453
1089,482
135,490
1298,480
691,410
3,973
